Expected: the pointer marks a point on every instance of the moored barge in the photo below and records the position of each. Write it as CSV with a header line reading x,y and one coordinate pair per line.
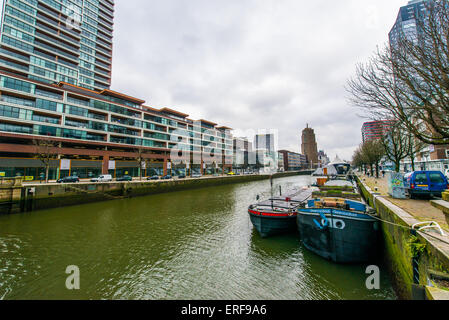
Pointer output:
x,y
339,230
278,215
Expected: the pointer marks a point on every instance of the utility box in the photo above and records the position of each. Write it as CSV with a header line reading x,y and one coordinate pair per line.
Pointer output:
x,y
396,187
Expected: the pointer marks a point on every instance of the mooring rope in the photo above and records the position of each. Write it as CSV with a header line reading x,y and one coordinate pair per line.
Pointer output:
x,y
408,228
402,226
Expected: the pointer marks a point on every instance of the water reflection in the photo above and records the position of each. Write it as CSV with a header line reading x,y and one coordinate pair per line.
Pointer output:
x,y
196,244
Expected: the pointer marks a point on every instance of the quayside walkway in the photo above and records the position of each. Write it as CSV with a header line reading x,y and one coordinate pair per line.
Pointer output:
x,y
421,209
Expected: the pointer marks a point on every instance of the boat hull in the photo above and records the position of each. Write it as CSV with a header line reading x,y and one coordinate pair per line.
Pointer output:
x,y
348,238
270,225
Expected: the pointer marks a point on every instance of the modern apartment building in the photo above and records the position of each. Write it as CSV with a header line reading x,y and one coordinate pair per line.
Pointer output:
x,y
374,130
55,74
56,41
101,132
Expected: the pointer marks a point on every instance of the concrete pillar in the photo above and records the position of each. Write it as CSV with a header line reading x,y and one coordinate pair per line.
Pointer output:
x,y
165,167
105,168
18,181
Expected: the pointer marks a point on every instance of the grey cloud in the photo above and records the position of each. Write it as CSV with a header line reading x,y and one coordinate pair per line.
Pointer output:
x,y
252,63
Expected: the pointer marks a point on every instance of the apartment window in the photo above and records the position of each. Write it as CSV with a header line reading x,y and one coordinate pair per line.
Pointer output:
x,y
45,119
15,128
20,14
19,101
19,24
9,112
49,105
48,94
78,101
77,111
18,85
47,131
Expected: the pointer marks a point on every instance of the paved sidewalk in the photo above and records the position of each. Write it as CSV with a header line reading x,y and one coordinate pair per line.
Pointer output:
x,y
421,209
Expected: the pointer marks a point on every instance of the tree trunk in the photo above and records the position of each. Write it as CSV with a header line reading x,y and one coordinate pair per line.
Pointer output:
x,y
397,165
377,170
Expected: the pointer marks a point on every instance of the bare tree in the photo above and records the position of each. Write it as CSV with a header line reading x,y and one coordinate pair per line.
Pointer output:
x,y
372,154
396,143
46,150
409,81
358,159
415,147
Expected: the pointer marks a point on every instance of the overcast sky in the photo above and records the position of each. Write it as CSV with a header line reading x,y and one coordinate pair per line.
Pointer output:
x,y
252,64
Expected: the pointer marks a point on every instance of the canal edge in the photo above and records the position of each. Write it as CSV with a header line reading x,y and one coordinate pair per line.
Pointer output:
x,y
413,270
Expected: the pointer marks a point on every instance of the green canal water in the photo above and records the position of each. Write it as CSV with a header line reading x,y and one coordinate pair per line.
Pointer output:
x,y
196,244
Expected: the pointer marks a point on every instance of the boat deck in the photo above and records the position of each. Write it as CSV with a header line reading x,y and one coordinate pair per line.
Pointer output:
x,y
281,203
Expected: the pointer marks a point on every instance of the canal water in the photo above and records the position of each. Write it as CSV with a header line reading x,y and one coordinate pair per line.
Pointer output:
x,y
196,244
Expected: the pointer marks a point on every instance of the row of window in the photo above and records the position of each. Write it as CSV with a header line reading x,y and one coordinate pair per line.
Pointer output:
x,y
24,86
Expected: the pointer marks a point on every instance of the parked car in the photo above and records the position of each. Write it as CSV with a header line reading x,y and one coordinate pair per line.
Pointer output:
x,y
181,176
70,179
153,178
102,178
446,173
167,177
231,173
125,178
196,175
429,183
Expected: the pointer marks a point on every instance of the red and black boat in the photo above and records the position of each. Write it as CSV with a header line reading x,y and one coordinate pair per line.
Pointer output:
x,y
278,215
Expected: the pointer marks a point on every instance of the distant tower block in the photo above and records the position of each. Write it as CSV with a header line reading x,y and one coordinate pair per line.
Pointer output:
x,y
309,146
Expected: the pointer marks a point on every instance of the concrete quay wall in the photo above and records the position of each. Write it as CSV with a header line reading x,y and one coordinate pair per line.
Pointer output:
x,y
417,260
17,197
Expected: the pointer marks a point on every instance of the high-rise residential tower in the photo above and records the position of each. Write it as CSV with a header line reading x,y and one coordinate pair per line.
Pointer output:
x,y
55,73
58,41
309,146
374,130
407,22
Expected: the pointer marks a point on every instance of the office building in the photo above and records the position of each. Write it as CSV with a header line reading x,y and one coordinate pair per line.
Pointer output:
x,y
244,158
281,162
264,142
293,161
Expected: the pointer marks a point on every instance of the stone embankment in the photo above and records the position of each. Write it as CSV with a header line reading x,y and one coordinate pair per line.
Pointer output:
x,y
18,197
418,259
